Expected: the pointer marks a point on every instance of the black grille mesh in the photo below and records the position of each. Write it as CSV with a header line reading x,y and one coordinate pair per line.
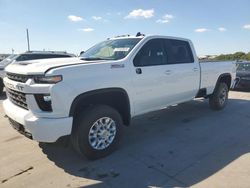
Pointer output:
x,y
17,98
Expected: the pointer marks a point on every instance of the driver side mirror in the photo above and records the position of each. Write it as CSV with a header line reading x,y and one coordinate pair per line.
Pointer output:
x,y
82,52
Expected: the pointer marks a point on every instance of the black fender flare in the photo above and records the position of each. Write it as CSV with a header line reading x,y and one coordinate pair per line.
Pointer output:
x,y
220,78
83,96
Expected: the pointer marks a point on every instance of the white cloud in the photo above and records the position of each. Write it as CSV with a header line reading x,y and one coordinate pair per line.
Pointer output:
x,y
86,29
140,13
201,30
222,29
74,18
96,18
165,19
246,26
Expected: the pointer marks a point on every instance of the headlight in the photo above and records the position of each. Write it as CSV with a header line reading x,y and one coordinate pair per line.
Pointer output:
x,y
48,79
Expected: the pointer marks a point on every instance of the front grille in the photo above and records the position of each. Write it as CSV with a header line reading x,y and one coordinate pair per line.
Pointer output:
x,y
17,77
17,98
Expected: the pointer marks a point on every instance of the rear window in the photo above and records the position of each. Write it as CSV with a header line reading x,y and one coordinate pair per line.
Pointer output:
x,y
178,51
27,57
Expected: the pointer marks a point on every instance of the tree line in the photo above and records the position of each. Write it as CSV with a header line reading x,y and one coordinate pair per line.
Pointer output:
x,y
235,56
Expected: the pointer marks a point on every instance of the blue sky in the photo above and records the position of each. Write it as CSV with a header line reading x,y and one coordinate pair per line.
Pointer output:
x,y
215,26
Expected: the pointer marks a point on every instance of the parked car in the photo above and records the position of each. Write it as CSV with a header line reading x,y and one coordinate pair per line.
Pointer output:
x,y
242,76
30,55
3,64
90,98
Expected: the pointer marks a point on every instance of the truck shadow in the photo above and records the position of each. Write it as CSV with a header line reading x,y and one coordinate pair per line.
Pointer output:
x,y
179,146
247,90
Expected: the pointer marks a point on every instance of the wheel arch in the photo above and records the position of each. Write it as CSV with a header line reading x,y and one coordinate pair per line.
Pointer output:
x,y
114,97
226,78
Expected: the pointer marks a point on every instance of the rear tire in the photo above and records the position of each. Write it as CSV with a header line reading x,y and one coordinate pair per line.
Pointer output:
x,y
97,131
219,98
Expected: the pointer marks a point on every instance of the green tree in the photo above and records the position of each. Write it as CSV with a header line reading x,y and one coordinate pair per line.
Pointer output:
x,y
239,55
248,56
233,57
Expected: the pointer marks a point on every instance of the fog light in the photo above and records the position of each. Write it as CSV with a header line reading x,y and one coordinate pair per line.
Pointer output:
x,y
44,102
47,98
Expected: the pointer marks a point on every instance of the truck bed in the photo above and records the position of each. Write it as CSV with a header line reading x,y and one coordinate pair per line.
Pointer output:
x,y
209,75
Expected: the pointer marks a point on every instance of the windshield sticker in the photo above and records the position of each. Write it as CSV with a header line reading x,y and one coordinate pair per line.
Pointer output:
x,y
121,49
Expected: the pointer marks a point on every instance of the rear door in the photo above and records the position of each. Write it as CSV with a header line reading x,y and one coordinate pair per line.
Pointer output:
x,y
182,72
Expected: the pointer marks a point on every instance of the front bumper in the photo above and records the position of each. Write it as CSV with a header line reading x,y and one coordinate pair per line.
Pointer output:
x,y
39,129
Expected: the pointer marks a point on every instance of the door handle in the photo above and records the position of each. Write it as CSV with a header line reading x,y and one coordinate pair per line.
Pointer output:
x,y
138,70
168,72
195,69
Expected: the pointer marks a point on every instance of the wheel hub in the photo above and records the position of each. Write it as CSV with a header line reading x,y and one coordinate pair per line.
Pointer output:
x,y
223,96
102,133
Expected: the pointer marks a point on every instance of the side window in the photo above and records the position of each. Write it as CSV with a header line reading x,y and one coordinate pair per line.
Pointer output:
x,y
178,51
152,53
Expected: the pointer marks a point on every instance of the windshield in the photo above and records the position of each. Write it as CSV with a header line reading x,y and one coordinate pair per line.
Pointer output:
x,y
110,49
243,67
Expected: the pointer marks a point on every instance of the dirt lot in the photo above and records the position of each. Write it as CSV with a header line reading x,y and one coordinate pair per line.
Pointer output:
x,y
186,145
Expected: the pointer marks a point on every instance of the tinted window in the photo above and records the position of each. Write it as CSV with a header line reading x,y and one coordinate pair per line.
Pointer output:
x,y
178,51
27,57
243,67
61,56
48,56
152,53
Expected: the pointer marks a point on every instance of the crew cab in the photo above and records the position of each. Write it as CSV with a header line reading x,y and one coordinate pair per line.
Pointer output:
x,y
91,97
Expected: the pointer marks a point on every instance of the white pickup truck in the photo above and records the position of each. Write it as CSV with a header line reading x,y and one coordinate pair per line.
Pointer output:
x,y
91,97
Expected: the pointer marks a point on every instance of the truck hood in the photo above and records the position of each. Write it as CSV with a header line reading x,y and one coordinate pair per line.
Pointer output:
x,y
35,67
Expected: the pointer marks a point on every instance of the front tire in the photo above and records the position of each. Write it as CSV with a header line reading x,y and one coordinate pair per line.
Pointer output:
x,y
97,131
219,98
